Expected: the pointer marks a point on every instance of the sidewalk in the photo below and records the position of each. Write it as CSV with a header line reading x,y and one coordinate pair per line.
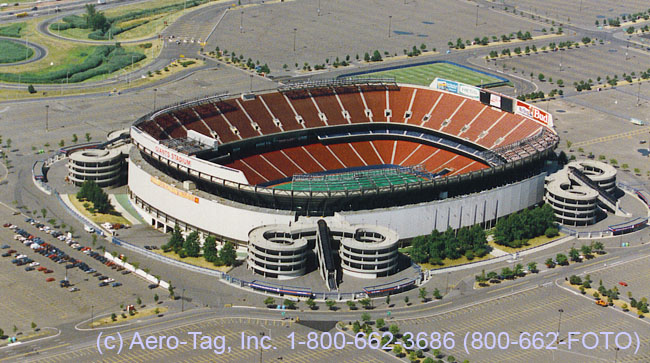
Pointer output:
x,y
125,213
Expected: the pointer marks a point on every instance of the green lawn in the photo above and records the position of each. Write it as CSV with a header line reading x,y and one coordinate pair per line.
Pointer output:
x,y
349,181
425,74
12,30
11,52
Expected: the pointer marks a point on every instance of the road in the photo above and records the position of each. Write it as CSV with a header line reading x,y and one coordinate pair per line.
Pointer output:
x,y
39,52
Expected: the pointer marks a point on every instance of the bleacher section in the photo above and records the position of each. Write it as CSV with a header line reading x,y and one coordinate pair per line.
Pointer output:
x,y
465,127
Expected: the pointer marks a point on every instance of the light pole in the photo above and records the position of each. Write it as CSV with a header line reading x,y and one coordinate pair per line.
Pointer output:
x,y
91,315
558,324
241,22
47,109
155,91
294,39
476,15
318,10
251,83
616,354
390,21
183,300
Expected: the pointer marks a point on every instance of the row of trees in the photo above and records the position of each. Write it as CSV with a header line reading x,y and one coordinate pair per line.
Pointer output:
x,y
435,247
190,246
612,81
515,230
240,60
506,274
91,192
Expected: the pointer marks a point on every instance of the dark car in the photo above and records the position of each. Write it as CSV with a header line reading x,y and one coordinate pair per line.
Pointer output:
x,y
35,8
126,272
4,247
97,274
102,278
153,286
103,283
6,254
116,284
29,268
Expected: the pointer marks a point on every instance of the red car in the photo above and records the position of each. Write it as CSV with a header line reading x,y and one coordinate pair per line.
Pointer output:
x,y
49,279
42,268
6,225
623,283
47,271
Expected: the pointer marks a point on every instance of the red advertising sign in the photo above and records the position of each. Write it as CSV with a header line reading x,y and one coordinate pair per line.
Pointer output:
x,y
533,112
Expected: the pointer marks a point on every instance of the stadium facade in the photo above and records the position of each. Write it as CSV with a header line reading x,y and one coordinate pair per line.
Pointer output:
x,y
365,151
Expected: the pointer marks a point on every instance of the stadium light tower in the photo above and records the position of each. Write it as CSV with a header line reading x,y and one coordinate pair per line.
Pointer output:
x,y
390,20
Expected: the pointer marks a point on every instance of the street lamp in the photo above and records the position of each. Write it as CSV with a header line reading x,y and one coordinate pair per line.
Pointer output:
x,y
294,38
241,22
183,300
318,8
390,20
91,315
477,15
558,324
616,354
251,83
47,109
155,91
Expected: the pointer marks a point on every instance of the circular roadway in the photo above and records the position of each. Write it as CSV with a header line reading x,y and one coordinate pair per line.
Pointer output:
x,y
39,52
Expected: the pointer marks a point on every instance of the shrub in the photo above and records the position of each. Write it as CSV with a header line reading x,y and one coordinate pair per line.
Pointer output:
x,y
551,232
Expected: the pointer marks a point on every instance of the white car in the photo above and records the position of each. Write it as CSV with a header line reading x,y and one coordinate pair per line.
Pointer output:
x,y
17,237
34,264
20,256
110,280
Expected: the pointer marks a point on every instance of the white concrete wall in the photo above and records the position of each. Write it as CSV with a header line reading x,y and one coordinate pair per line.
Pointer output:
x,y
416,220
207,214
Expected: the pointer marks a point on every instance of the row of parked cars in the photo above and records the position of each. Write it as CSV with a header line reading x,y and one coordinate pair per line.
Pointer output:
x,y
57,255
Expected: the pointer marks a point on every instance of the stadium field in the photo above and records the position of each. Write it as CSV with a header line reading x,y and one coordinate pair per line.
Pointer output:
x,y
352,180
424,74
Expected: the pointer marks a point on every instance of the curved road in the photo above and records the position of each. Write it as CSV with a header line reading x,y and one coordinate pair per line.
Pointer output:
x,y
39,52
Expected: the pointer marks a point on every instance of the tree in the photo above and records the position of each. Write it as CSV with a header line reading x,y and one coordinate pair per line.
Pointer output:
x,y
155,297
436,294
560,83
356,327
31,89
532,267
597,246
519,270
113,317
586,251
397,349
227,254
2,333
393,329
451,359
88,138
331,304
191,246
210,252
423,294
427,360
365,302
366,57
574,254
175,242
380,323
365,317
387,299
575,280
376,57
406,300
269,301
561,259
540,77
61,143
171,289
33,325
351,305
138,301
549,263
311,303
289,304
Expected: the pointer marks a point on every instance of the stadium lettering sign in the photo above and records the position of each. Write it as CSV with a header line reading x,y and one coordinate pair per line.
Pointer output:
x,y
495,100
171,189
167,154
534,113
456,87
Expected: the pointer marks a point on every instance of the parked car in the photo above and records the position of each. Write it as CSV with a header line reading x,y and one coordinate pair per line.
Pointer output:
x,y
623,283
153,286
29,268
49,279
103,283
48,271
116,284
73,289
4,247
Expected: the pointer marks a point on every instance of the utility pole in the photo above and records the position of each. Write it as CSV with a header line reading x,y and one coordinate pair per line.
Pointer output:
x,y
390,20
47,109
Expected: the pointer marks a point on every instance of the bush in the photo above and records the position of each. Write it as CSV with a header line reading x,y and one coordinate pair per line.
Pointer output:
x,y
31,89
551,232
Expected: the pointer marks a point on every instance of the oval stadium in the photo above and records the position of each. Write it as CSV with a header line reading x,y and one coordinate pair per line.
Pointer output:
x,y
361,151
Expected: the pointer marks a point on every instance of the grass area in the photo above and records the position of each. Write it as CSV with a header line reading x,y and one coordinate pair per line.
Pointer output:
x,y
98,218
123,199
196,261
425,74
459,261
12,30
144,26
533,242
119,319
11,52
172,69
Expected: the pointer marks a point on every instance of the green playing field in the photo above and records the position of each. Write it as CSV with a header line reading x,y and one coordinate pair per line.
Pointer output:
x,y
424,74
349,181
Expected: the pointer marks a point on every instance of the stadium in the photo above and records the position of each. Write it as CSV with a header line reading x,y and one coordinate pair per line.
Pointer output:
x,y
359,151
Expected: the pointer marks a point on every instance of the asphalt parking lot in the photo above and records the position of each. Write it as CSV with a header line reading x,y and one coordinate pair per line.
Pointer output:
x,y
535,310
231,329
27,296
635,274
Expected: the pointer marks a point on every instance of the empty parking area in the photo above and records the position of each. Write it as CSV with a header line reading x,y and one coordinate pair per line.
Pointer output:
x,y
577,64
354,27
582,13
633,273
231,329
28,297
533,311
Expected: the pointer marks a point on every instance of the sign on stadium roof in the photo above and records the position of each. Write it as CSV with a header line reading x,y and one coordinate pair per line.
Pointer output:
x,y
456,87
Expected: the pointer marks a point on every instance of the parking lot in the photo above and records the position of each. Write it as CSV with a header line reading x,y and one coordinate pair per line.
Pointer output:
x,y
583,13
536,310
355,27
231,329
634,274
36,296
